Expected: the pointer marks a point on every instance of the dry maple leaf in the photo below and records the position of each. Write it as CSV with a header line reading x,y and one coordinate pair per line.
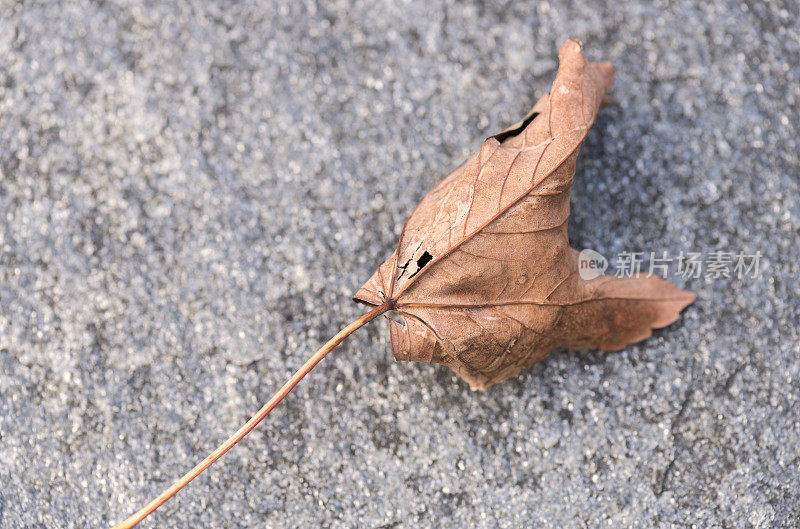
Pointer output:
x,y
483,275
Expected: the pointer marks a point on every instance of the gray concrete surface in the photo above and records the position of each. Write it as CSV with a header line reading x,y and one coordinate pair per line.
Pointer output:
x,y
190,193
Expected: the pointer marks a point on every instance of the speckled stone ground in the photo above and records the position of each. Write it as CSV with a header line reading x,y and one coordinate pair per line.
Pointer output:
x,y
190,193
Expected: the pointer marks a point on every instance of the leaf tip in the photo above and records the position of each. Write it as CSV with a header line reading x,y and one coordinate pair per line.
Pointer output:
x,y
571,49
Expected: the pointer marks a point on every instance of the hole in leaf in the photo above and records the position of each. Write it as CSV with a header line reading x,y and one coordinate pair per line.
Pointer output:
x,y
424,259
395,317
503,136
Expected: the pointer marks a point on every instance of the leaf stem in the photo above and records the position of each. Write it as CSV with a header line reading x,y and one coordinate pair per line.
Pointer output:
x,y
255,419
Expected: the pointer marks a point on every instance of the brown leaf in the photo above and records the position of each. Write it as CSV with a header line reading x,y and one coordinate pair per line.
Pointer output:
x,y
483,275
